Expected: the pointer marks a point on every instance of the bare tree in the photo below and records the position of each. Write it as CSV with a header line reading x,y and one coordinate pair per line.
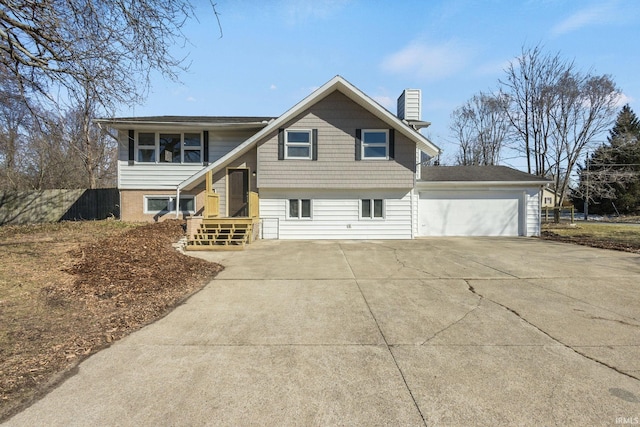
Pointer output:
x,y
64,62
57,43
529,85
555,112
93,146
481,127
583,106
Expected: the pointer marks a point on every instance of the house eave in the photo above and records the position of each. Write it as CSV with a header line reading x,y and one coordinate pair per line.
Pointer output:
x,y
155,125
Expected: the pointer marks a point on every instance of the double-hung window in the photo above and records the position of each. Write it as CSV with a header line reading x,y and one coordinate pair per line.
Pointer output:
x,y
192,148
371,208
147,147
299,209
375,144
169,147
297,144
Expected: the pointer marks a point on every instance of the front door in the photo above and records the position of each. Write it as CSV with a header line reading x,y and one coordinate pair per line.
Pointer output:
x,y
238,184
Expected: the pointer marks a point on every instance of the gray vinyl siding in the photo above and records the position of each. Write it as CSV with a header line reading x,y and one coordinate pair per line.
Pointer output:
x,y
335,214
163,176
336,118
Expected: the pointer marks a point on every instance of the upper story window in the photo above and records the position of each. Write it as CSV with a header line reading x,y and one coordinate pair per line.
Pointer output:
x,y
375,144
169,147
297,144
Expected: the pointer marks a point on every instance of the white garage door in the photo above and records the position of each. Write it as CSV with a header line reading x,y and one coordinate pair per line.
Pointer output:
x,y
469,213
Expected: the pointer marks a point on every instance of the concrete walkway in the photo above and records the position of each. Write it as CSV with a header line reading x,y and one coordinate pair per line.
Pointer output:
x,y
426,332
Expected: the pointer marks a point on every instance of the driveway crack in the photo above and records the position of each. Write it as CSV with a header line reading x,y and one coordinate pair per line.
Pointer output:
x,y
456,322
386,343
578,352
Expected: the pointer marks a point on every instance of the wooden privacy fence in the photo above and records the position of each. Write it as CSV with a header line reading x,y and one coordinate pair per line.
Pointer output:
x,y
558,214
24,207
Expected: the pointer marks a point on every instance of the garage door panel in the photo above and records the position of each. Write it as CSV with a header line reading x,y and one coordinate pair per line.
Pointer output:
x,y
469,213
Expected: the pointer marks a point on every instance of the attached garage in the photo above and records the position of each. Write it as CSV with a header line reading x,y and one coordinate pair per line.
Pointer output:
x,y
478,201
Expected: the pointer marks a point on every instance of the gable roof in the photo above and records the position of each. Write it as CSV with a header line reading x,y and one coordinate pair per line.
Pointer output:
x,y
479,174
337,83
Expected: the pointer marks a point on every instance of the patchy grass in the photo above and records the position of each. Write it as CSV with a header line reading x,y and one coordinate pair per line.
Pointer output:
x,y
624,237
69,289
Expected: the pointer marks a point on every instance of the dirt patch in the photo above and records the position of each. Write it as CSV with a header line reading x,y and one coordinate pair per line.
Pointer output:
x,y
70,290
592,241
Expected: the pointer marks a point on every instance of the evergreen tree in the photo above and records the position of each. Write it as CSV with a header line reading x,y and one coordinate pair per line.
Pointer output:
x,y
614,169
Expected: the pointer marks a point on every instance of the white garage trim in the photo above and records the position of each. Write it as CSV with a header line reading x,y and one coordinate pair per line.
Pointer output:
x,y
479,211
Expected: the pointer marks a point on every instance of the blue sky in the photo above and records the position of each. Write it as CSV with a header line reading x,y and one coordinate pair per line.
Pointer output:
x,y
275,52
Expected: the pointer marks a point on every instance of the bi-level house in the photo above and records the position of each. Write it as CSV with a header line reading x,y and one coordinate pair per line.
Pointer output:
x,y
337,165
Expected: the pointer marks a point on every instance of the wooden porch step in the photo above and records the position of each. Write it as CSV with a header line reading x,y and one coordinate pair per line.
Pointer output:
x,y
223,234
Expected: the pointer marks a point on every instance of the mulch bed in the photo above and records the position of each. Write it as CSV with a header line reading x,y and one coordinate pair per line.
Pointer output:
x,y
117,285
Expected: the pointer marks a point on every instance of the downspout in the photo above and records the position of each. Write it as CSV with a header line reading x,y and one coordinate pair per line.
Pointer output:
x,y
177,202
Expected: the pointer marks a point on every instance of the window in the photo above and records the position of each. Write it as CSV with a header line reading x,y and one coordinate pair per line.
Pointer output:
x,y
371,208
548,200
146,147
166,204
192,148
297,144
375,144
169,147
299,208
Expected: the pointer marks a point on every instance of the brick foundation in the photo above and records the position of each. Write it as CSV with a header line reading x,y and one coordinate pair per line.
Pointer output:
x,y
132,205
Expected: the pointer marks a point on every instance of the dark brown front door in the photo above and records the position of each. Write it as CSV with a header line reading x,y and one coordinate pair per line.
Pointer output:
x,y
238,182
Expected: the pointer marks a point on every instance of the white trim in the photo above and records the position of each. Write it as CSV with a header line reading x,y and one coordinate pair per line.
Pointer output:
x,y
156,147
288,144
364,144
372,216
288,217
172,200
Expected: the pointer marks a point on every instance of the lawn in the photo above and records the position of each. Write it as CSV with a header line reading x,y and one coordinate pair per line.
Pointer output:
x,y
69,289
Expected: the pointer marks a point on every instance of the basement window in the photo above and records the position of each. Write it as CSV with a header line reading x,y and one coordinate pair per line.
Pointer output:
x,y
371,208
166,204
299,209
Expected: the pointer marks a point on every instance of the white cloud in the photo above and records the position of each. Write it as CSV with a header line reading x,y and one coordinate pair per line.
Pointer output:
x,y
386,101
589,16
190,99
623,99
431,61
273,87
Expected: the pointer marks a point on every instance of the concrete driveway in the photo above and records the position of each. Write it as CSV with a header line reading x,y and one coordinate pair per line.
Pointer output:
x,y
437,331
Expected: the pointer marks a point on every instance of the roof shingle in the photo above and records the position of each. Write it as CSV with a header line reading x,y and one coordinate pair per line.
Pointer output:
x,y
477,173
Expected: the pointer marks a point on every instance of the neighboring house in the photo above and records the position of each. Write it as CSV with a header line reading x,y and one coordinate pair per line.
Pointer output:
x,y
337,165
548,198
